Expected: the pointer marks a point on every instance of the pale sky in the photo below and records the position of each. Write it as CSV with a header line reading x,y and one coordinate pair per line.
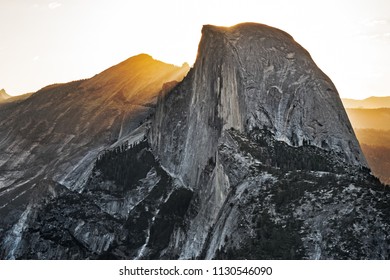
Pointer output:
x,y
45,41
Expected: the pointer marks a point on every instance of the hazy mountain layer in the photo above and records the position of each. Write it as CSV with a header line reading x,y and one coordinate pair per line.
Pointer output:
x,y
376,148
372,102
370,118
372,128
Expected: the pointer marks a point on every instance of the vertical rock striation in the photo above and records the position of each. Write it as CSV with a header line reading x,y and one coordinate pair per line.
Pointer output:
x,y
248,77
245,77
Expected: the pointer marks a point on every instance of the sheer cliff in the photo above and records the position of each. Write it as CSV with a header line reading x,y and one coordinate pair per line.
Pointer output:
x,y
245,77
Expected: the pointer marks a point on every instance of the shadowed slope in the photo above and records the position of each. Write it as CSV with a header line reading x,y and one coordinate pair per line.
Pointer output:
x,y
57,132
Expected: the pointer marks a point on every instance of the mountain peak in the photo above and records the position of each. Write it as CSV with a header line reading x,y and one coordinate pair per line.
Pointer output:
x,y
247,29
3,95
139,57
142,73
250,77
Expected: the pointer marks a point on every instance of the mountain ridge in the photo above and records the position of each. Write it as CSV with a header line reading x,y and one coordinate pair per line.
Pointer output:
x,y
75,100
378,118
373,102
55,134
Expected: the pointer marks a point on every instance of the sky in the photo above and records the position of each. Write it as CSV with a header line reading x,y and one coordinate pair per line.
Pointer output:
x,y
44,41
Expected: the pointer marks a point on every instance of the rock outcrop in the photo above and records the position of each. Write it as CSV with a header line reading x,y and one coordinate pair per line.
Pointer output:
x,y
245,77
3,95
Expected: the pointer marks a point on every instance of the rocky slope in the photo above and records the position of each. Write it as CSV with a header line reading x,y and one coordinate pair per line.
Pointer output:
x,y
251,156
64,126
273,201
57,133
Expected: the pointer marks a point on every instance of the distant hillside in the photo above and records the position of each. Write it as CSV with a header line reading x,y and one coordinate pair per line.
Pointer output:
x,y
13,100
372,128
370,118
3,95
376,148
374,137
372,102
379,160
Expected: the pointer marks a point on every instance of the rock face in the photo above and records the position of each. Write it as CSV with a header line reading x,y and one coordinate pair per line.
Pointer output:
x,y
251,156
245,77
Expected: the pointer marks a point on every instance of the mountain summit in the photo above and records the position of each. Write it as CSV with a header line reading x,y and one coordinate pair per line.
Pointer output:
x,y
3,95
248,77
250,156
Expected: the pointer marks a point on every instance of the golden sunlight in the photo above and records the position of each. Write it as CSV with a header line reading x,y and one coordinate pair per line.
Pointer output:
x,y
78,39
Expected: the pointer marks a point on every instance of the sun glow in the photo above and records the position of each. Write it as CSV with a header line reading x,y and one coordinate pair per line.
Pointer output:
x,y
59,41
